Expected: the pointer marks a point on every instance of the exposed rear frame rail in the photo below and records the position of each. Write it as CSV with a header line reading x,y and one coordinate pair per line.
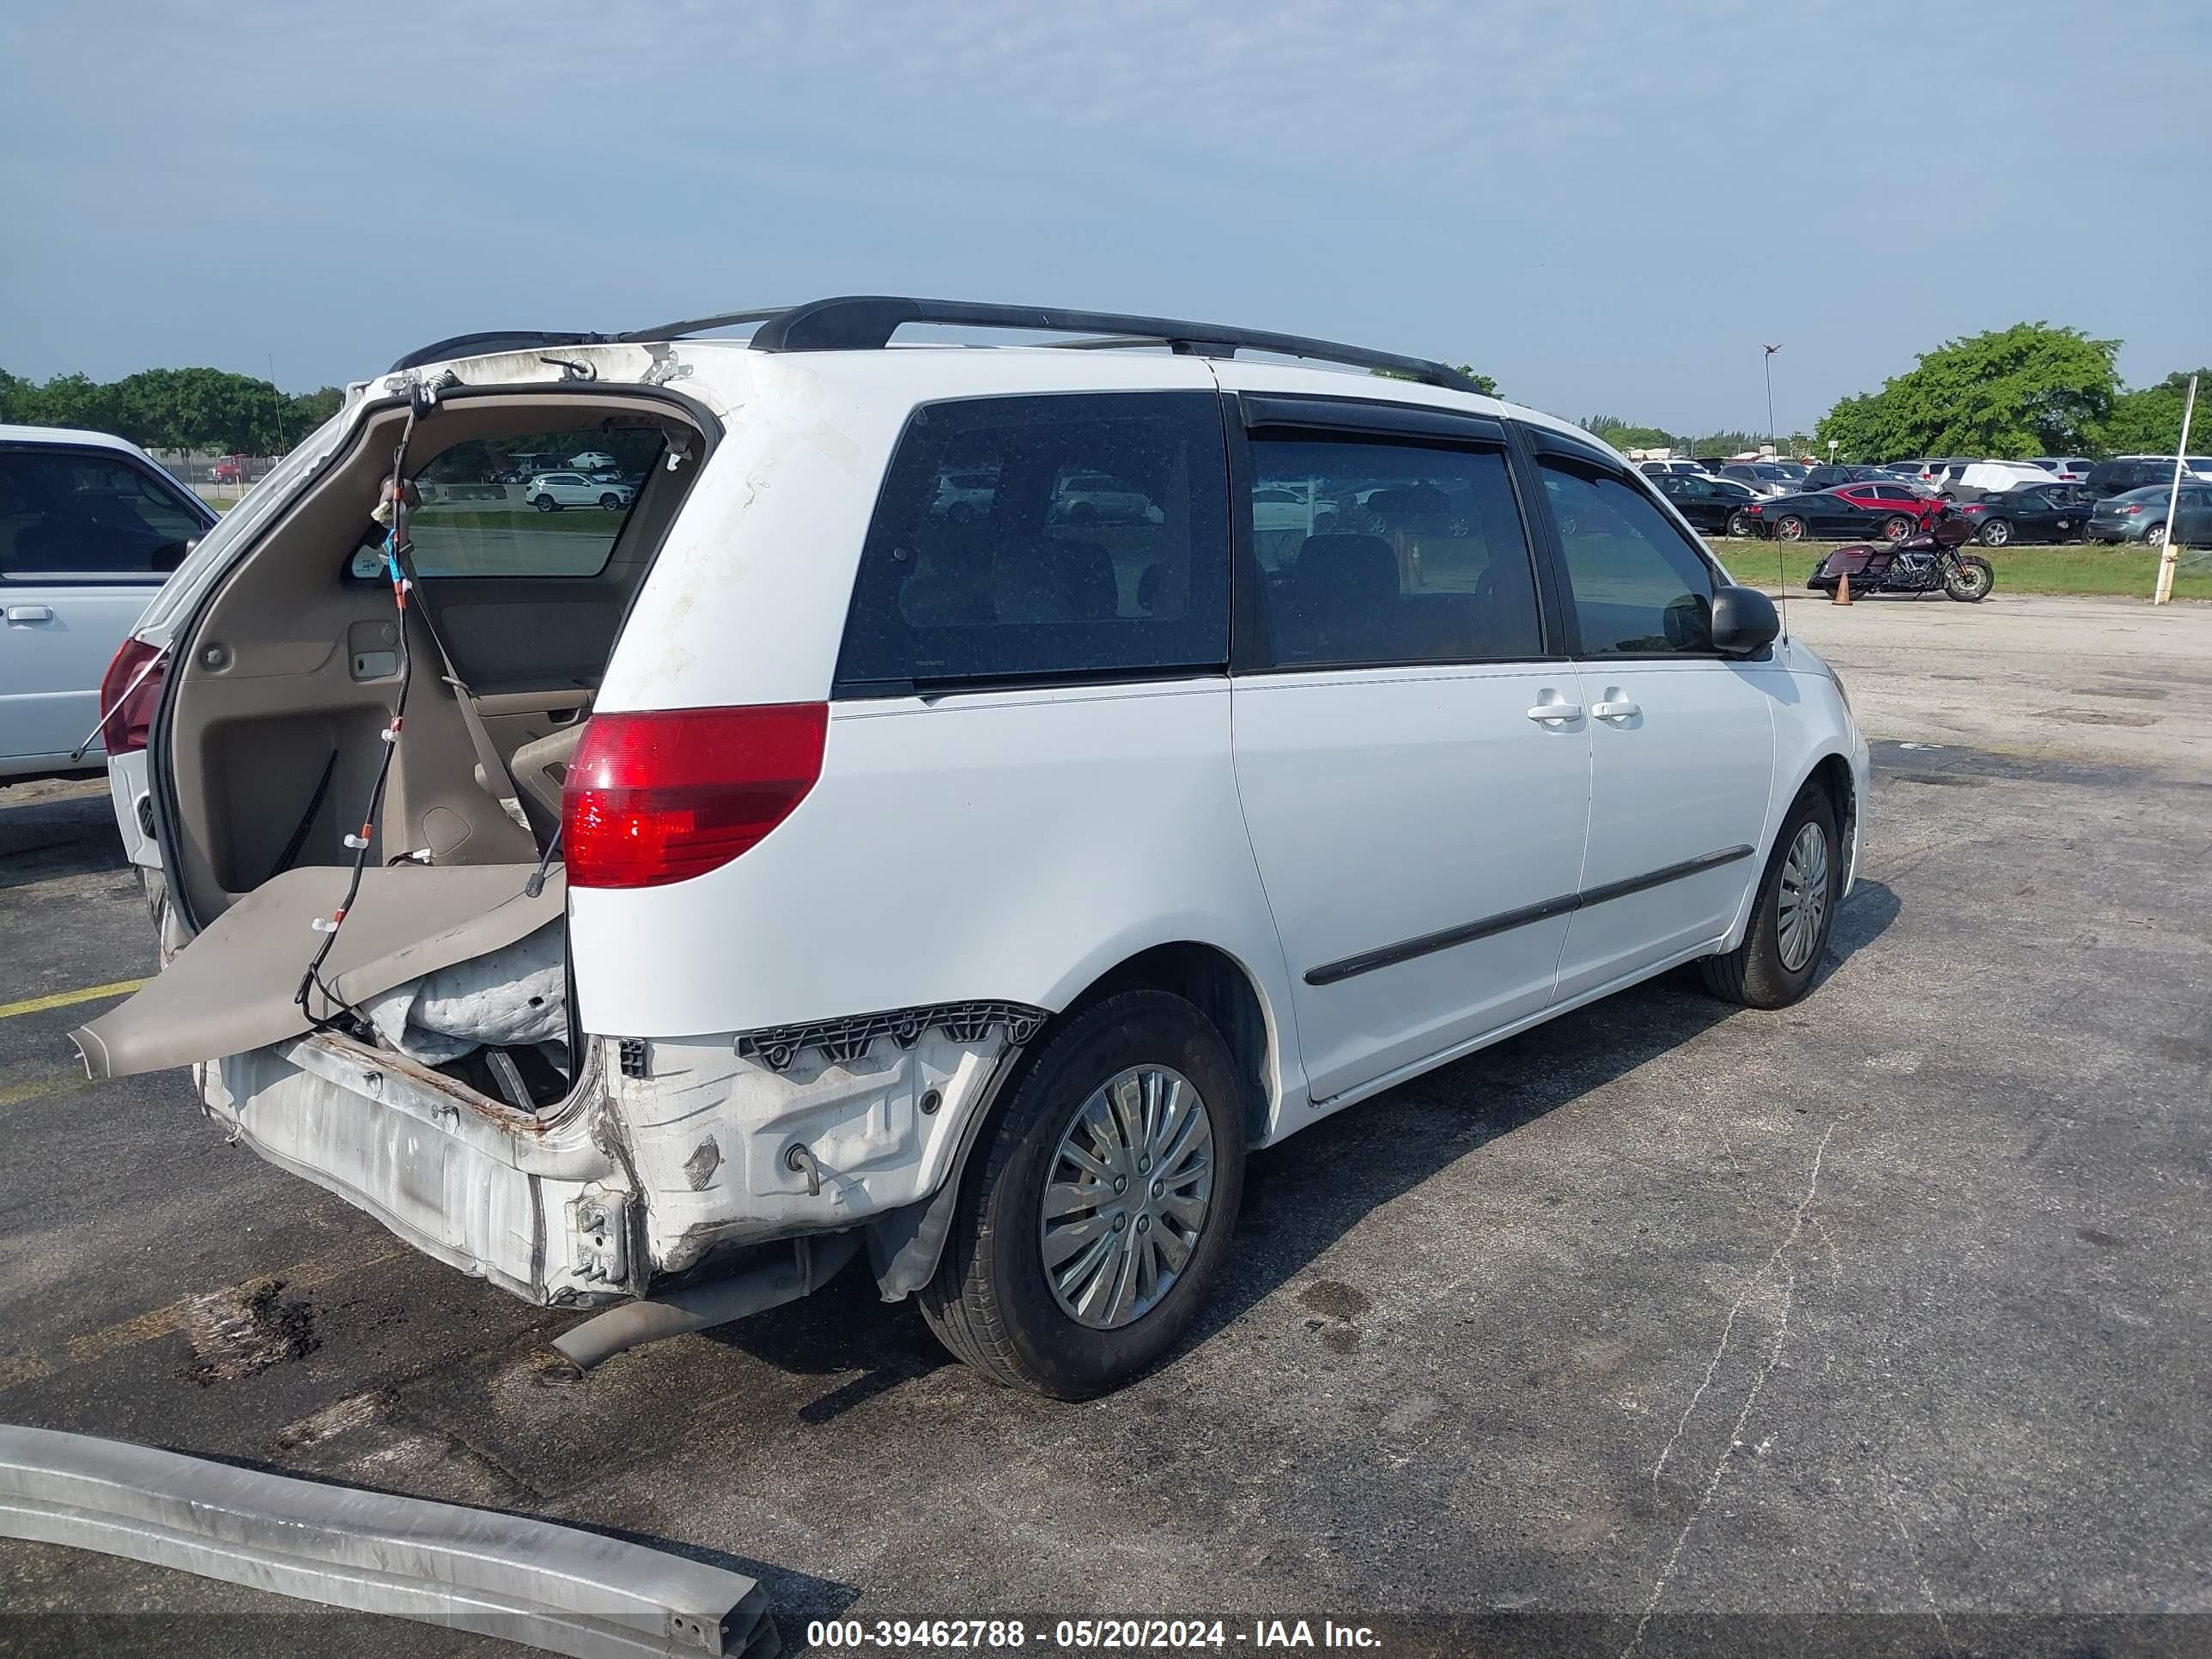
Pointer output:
x,y
866,322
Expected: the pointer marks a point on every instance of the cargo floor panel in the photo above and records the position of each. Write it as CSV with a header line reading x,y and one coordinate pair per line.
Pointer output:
x,y
236,987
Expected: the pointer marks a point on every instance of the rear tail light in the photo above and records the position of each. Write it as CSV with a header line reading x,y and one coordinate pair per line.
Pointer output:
x,y
660,797
129,692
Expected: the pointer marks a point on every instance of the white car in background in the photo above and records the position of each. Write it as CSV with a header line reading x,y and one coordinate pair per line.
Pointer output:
x,y
548,492
592,461
1978,479
90,527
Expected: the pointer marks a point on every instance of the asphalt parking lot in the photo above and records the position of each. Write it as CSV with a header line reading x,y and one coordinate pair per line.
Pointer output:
x,y
1891,1305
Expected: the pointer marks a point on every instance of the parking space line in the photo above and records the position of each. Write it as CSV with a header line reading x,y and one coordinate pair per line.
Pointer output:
x,y
21,1368
48,1085
63,998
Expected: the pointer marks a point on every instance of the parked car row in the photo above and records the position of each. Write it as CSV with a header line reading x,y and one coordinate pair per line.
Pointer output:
x,y
1962,479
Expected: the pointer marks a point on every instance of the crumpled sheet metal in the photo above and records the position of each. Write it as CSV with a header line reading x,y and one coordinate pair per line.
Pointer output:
x,y
517,996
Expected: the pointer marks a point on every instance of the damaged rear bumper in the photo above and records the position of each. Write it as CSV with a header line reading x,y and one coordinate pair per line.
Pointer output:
x,y
481,1187
668,1159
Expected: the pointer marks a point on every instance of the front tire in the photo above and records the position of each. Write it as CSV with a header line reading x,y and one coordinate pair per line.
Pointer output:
x,y
1970,584
1095,1213
610,502
1743,526
546,504
1792,915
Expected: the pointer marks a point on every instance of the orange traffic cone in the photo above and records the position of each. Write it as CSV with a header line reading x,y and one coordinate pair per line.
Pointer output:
x,y
1843,588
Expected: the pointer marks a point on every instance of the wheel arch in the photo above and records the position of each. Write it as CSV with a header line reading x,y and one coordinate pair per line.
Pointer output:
x,y
1227,993
905,1244
1827,768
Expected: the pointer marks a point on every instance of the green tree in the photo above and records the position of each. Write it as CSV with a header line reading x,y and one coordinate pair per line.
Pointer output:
x,y
310,408
1483,383
1621,435
2147,421
2027,390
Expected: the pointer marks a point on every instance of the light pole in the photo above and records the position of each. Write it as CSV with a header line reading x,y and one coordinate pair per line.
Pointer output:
x,y
1769,361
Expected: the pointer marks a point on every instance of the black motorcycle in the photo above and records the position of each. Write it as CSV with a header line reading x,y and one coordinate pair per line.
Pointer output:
x,y
1921,563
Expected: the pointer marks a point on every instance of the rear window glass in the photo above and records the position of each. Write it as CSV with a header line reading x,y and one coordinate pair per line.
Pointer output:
x,y
544,504
77,512
1025,537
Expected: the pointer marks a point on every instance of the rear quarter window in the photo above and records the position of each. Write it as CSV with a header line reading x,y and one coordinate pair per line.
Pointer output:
x,y
1078,536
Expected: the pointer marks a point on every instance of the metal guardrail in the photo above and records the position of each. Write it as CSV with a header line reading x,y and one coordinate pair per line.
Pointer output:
x,y
552,1587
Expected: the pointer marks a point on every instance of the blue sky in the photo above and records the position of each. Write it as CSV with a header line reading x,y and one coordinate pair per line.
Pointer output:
x,y
1609,206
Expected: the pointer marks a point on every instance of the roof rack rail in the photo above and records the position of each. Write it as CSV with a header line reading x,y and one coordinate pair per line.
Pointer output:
x,y
505,339
866,322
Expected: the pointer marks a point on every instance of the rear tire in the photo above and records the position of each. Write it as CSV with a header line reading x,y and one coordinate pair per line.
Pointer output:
x,y
2155,536
993,1302
1995,533
1896,527
1790,528
1743,527
1758,973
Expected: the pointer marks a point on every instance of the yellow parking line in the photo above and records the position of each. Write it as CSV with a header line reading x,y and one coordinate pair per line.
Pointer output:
x,y
63,999
21,1368
50,1085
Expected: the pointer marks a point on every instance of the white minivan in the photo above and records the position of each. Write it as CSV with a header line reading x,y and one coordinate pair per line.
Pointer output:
x,y
657,911
90,526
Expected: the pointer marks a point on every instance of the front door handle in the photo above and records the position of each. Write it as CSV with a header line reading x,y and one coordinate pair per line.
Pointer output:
x,y
30,613
1558,714
1615,711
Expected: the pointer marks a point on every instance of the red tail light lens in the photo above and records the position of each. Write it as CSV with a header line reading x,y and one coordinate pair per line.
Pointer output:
x,y
662,797
126,710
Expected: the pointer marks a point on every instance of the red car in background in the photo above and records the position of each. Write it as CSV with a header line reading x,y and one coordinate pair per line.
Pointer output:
x,y
231,469
1889,498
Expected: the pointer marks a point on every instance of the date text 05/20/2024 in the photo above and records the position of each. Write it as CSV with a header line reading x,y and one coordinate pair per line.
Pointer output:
x,y
1086,1635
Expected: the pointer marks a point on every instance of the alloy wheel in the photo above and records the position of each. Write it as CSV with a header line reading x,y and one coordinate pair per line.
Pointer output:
x,y
1804,901
1790,530
1995,533
1127,1197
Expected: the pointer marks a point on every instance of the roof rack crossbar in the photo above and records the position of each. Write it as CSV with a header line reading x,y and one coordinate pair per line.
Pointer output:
x,y
866,322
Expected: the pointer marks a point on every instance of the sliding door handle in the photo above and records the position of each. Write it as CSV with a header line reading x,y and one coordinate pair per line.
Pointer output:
x,y
1615,711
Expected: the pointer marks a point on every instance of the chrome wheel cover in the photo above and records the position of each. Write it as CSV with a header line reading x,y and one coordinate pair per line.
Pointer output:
x,y
1127,1197
1803,905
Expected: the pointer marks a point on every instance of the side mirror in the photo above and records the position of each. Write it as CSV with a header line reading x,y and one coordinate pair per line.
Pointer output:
x,y
1744,622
